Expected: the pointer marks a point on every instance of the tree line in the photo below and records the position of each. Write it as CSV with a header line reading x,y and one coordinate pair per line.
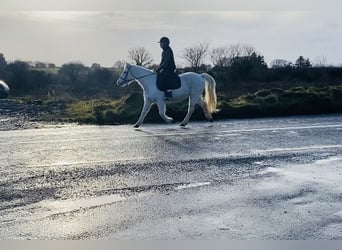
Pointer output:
x,y
238,68
72,80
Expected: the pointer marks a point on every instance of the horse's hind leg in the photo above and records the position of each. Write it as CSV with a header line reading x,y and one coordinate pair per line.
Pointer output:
x,y
162,112
203,105
191,109
146,108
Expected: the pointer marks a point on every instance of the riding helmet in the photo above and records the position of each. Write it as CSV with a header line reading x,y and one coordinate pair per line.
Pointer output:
x,y
164,39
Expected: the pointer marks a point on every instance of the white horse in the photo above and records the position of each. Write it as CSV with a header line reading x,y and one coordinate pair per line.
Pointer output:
x,y
192,87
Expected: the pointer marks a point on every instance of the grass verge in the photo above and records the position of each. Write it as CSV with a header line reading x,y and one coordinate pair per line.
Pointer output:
x,y
263,103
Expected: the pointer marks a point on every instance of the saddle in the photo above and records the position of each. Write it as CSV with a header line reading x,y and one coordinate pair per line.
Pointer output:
x,y
168,81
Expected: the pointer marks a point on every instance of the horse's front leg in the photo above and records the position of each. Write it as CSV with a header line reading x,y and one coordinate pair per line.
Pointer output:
x,y
162,111
146,108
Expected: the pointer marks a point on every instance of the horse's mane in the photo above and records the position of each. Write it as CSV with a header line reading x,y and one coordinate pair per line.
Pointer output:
x,y
141,67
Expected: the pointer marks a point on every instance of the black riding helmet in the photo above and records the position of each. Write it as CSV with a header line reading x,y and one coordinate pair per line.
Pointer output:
x,y
165,40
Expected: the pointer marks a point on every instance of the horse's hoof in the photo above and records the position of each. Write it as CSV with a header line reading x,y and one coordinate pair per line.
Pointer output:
x,y
136,126
182,125
170,120
211,120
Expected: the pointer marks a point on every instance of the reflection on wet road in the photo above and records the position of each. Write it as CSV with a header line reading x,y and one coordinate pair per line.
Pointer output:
x,y
278,178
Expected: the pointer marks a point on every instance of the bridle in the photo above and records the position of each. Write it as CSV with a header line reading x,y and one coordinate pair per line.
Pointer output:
x,y
124,79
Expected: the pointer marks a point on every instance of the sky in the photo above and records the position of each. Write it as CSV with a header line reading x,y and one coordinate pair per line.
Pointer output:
x,y
102,31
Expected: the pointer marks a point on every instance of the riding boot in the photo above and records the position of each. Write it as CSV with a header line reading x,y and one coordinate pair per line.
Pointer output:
x,y
168,95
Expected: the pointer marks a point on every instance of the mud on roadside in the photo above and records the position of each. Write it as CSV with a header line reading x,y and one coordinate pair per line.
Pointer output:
x,y
15,114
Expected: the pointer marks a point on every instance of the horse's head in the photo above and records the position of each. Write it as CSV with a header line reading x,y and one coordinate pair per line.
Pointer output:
x,y
126,76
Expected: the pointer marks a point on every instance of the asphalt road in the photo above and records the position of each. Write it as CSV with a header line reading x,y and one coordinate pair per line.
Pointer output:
x,y
278,178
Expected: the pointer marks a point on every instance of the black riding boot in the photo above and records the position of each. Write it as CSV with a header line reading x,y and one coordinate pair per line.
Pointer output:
x,y
168,95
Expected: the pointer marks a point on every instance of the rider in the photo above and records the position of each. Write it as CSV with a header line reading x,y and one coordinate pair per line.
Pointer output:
x,y
167,65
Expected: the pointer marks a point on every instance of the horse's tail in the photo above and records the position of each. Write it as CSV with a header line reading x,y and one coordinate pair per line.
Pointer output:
x,y
210,98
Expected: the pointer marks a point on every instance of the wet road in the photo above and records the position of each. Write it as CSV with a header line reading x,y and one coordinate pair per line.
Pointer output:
x,y
278,178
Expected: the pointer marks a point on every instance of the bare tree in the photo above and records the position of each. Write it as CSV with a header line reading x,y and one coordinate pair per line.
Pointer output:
x,y
280,63
220,57
321,61
119,64
195,55
240,50
140,56
223,56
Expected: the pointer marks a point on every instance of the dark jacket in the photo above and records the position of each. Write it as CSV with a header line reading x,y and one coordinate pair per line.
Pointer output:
x,y
167,64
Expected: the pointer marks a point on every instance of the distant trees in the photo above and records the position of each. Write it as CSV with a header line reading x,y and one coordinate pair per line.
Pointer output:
x,y
220,57
24,81
140,56
51,65
69,82
40,65
100,76
120,64
235,66
195,55
240,50
320,61
280,63
238,62
301,62
18,76
71,71
95,66
224,56
251,67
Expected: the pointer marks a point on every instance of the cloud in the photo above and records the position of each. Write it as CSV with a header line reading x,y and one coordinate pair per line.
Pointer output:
x,y
106,36
175,5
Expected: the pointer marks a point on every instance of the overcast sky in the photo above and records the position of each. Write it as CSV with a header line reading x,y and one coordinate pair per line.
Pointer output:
x,y
102,31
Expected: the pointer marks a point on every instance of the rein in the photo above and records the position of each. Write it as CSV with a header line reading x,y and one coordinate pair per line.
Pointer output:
x,y
134,77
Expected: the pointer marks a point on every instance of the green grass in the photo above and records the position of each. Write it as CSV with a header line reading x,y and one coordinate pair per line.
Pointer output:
x,y
276,102
104,111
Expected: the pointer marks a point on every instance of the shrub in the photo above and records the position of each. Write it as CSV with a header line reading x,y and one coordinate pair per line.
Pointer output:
x,y
271,100
263,92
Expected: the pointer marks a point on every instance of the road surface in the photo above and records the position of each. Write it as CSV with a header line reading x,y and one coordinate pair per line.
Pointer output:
x,y
277,178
